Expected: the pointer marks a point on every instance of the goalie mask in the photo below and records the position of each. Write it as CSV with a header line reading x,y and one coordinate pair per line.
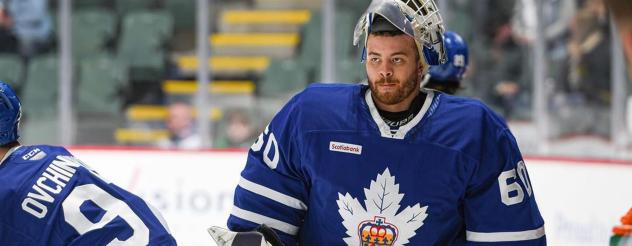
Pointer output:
x,y
419,19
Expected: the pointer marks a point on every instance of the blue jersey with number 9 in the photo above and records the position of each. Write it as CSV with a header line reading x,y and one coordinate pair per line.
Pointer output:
x,y
51,198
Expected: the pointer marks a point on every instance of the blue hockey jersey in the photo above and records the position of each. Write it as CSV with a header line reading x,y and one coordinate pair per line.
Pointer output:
x,y
51,198
328,171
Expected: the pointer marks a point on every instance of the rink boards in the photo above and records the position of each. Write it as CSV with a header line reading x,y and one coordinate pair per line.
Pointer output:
x,y
580,200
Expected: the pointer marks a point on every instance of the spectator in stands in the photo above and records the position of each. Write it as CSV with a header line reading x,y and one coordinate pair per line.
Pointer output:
x,y
32,25
182,131
497,72
8,43
510,88
239,130
583,100
589,50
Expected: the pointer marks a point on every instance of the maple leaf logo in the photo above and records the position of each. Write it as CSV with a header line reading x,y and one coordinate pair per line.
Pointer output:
x,y
382,201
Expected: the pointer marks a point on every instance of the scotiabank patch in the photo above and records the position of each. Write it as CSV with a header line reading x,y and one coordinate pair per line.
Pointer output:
x,y
345,147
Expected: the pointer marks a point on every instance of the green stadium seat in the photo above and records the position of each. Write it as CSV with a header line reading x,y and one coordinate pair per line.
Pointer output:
x,y
183,12
126,6
310,48
142,43
101,78
39,93
92,29
310,51
281,78
149,22
11,69
354,7
85,4
144,64
345,24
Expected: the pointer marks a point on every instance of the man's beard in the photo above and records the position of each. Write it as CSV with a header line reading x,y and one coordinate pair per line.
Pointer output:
x,y
397,96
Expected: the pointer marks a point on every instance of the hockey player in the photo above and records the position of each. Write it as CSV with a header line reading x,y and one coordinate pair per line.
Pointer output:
x,y
447,77
51,198
389,163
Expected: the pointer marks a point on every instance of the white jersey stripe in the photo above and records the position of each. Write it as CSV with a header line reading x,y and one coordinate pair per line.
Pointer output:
x,y
158,215
504,236
272,194
261,219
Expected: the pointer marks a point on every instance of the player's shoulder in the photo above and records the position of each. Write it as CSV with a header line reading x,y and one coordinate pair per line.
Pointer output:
x,y
327,95
37,153
23,164
25,161
324,106
464,124
468,112
33,154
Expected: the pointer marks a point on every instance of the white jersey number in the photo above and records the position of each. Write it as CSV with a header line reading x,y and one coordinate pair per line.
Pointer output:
x,y
507,182
113,207
272,143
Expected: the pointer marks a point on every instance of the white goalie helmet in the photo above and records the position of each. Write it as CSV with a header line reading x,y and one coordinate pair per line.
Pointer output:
x,y
419,19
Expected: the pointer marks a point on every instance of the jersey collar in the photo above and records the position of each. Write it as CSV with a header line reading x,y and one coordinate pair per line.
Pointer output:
x,y
385,130
11,150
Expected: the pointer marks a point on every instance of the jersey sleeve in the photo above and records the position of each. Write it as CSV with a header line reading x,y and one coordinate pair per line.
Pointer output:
x,y
500,206
273,189
98,212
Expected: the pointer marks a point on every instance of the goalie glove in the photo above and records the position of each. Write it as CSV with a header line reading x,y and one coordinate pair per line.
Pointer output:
x,y
264,236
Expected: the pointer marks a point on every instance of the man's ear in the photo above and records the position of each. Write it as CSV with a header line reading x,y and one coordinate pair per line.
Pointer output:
x,y
422,69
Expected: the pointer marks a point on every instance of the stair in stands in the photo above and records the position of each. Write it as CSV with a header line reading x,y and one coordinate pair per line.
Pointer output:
x,y
189,87
225,65
139,136
263,20
277,45
159,113
288,4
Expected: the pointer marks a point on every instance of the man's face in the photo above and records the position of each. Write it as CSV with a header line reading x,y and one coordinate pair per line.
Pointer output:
x,y
179,119
393,68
